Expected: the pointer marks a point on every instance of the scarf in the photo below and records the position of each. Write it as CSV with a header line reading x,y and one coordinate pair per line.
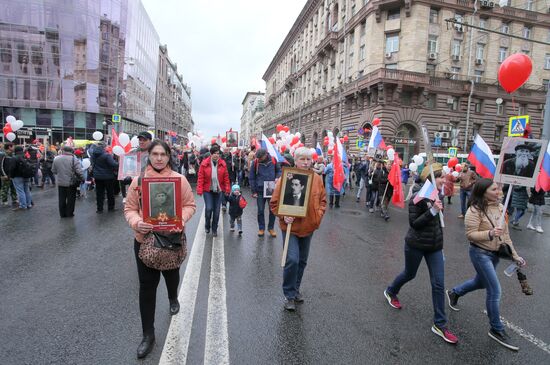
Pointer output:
x,y
214,185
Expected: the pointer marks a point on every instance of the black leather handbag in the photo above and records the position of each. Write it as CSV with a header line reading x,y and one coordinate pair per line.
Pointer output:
x,y
168,241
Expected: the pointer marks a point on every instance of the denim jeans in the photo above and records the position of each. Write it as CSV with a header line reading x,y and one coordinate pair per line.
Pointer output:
x,y
464,197
212,202
22,187
436,268
261,217
296,261
518,213
239,220
485,264
536,216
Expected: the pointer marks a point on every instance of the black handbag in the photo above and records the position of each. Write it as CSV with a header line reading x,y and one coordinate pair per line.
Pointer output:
x,y
504,249
75,179
168,241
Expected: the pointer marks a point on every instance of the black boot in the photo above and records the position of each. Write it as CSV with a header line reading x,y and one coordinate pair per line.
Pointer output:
x,y
337,203
146,345
174,306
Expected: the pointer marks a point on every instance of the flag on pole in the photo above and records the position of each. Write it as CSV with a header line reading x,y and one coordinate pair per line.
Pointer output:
x,y
543,181
394,177
376,140
482,158
342,151
114,139
337,165
266,144
319,150
428,191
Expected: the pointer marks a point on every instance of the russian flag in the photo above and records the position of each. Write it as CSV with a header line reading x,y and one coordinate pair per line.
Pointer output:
x,y
376,140
272,150
319,150
543,181
428,191
339,175
482,158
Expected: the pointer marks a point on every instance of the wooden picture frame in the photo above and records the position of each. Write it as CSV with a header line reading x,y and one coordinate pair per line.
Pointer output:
x,y
295,192
232,139
269,187
510,170
129,165
161,202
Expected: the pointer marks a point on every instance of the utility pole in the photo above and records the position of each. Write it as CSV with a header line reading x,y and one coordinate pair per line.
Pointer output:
x,y
472,18
546,125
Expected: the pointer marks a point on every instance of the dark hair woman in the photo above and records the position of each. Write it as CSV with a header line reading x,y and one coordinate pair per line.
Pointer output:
x,y
158,166
485,236
425,240
212,184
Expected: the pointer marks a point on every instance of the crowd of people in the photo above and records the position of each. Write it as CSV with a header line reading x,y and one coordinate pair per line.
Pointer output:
x,y
221,174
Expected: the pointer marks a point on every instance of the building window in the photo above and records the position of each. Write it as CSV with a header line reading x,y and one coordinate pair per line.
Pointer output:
x,y
478,75
352,38
362,53
391,66
431,101
434,16
545,84
406,98
526,32
502,54
483,23
432,44
477,106
500,108
479,51
498,133
392,43
430,69
5,52
455,72
350,65
547,61
455,103
455,50
522,109
529,5
505,27
394,14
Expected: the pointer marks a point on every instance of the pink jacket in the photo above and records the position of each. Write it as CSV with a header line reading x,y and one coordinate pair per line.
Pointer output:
x,y
133,213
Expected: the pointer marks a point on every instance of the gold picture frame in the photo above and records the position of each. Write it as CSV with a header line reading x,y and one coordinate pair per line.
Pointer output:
x,y
295,192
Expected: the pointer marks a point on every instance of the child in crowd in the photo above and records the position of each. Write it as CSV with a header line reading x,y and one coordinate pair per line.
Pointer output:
x,y
237,203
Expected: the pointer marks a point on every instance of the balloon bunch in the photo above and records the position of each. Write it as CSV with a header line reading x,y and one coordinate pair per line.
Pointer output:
x,y
285,141
12,126
196,140
417,161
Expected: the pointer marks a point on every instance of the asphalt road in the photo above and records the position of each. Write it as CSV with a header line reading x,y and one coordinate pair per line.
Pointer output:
x,y
69,294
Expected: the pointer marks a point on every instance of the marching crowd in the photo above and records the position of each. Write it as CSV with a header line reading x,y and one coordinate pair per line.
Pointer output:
x,y
221,174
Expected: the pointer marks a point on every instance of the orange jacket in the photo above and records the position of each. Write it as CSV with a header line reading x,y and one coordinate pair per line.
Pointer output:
x,y
132,211
303,227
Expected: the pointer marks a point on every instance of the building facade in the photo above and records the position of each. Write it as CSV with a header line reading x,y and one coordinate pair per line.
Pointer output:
x,y
173,101
345,62
63,63
252,119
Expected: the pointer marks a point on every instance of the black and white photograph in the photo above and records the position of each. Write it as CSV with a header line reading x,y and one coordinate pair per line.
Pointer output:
x,y
295,190
519,161
161,198
232,139
269,187
129,166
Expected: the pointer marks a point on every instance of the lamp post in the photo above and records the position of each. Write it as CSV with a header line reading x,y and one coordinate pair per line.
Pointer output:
x,y
131,62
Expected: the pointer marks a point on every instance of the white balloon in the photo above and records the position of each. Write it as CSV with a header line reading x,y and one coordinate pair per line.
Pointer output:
x,y
224,145
391,154
86,163
119,151
419,160
10,119
134,142
97,135
281,134
16,125
124,139
298,134
446,169
413,167
455,173
10,136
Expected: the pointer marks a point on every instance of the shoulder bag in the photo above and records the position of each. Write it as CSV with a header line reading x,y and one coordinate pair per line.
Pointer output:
x,y
504,249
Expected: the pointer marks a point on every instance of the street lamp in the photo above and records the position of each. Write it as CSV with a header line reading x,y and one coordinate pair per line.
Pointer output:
x,y
131,62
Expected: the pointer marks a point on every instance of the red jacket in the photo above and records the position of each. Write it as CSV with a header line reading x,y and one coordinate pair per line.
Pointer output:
x,y
205,176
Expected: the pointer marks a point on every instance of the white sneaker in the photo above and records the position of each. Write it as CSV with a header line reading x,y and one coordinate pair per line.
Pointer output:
x,y
530,226
539,229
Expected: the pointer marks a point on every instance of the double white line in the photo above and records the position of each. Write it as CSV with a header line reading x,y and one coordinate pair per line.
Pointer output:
x,y
216,349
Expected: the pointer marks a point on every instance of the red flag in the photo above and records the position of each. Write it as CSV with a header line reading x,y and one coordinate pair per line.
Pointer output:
x,y
394,177
114,139
339,177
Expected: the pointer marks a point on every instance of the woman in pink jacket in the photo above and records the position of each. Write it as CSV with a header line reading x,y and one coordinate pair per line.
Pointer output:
x,y
158,166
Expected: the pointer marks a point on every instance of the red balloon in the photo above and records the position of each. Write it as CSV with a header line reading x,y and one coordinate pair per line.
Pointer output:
x,y
224,139
458,168
314,156
7,129
279,127
514,72
295,140
271,140
452,162
301,144
330,151
326,142
346,138
376,121
283,148
286,129
213,141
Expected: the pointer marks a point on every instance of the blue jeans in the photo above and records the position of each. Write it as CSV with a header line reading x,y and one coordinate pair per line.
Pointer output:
x,y
212,202
485,264
22,187
518,214
261,217
436,268
464,197
296,261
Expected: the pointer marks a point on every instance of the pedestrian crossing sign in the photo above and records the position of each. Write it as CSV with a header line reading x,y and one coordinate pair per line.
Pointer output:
x,y
453,152
116,118
517,125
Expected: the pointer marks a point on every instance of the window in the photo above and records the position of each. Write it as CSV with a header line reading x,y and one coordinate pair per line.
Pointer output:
x,y
547,61
350,62
434,16
502,53
432,44
498,132
391,66
478,75
522,109
479,51
42,90
529,5
406,98
431,101
477,106
352,38
455,71
363,29
392,43
455,50
394,14
526,32
353,8
430,69
454,105
548,36
483,23
362,53
5,52
500,108
505,27
545,84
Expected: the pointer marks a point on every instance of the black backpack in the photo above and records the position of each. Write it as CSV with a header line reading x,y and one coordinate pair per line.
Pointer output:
x,y
26,169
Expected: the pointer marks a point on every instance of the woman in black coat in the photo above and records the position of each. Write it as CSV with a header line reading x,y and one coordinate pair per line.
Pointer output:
x,y
537,199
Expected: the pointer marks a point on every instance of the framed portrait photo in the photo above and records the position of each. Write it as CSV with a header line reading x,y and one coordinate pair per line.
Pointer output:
x,y
129,165
232,139
295,192
269,186
519,161
161,202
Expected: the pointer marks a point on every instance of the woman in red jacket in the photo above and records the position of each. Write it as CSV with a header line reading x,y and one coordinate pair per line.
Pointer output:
x,y
212,184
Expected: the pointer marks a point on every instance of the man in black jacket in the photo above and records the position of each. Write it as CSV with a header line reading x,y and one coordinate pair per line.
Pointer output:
x,y
7,189
424,239
104,167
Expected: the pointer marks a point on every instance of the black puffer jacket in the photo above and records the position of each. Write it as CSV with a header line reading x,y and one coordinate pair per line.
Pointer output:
x,y
537,197
425,231
104,166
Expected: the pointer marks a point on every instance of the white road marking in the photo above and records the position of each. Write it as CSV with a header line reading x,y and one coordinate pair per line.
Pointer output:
x,y
177,340
526,335
216,349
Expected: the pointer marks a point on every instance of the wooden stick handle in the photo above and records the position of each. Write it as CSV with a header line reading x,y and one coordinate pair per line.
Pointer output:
x,y
506,202
285,249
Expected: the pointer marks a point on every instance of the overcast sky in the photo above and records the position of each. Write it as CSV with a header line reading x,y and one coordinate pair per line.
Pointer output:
x,y
222,48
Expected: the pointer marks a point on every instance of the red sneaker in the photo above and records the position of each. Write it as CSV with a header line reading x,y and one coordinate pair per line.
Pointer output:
x,y
444,333
392,300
